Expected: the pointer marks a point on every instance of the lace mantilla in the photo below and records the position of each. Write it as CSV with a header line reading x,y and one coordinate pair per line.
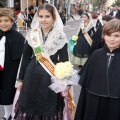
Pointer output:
x,y
87,28
55,41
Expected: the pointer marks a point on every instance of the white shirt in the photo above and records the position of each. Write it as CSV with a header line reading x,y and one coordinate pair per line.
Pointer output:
x,y
21,16
114,13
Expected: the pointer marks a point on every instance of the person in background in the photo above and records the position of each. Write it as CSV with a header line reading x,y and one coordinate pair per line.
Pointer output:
x,y
80,11
17,7
22,16
63,17
11,48
14,26
100,79
99,19
71,14
30,18
97,38
115,13
118,13
82,47
108,11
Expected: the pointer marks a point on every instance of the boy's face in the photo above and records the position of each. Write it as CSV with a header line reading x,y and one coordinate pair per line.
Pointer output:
x,y
5,23
112,40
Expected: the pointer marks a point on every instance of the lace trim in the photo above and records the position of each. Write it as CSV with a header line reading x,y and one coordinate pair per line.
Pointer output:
x,y
88,27
55,41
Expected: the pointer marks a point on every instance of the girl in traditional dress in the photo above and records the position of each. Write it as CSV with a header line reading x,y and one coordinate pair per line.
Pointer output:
x,y
81,49
37,101
100,79
11,48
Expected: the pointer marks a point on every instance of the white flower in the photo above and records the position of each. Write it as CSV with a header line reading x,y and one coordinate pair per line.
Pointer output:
x,y
63,70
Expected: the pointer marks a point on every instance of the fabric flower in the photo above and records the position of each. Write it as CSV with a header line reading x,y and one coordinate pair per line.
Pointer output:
x,y
74,37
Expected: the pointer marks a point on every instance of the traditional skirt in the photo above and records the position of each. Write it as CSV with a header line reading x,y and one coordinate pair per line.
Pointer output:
x,y
77,60
19,115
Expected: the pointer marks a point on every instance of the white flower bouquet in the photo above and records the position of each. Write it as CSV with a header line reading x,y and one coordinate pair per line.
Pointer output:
x,y
64,75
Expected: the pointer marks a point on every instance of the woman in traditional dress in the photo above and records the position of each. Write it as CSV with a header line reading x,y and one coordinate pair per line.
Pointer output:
x,y
100,79
82,47
11,48
37,101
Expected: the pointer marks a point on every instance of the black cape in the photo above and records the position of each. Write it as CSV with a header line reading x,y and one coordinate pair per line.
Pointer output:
x,y
98,41
100,93
13,52
100,79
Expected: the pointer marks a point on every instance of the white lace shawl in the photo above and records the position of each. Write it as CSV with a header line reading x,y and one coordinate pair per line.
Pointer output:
x,y
55,41
87,28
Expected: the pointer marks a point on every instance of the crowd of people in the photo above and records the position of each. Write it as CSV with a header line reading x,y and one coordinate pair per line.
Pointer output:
x,y
32,60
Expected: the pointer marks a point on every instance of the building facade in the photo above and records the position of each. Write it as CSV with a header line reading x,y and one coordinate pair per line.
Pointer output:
x,y
24,3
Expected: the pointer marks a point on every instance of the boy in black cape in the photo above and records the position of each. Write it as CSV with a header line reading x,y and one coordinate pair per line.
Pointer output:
x,y
100,79
11,48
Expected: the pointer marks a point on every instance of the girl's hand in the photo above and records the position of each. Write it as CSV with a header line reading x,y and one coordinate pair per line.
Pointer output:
x,y
19,85
65,92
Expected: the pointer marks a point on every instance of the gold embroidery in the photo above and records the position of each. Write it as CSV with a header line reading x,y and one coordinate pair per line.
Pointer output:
x,y
46,63
89,40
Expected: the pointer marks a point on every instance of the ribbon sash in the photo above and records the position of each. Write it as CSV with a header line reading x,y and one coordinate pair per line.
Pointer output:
x,y
44,60
71,45
46,64
89,40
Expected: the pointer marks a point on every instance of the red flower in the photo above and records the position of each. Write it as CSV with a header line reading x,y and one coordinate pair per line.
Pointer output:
x,y
101,41
1,67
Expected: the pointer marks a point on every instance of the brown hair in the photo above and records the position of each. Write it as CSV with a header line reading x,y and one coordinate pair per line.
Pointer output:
x,y
47,7
87,15
111,27
106,18
6,12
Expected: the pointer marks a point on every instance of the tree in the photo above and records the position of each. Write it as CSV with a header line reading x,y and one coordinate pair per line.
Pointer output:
x,y
99,3
117,3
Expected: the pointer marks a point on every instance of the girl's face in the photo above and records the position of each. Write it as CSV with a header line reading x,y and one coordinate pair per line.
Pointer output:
x,y
112,40
5,23
85,18
45,19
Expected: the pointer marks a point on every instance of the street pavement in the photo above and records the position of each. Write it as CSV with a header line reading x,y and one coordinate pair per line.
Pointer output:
x,y
70,29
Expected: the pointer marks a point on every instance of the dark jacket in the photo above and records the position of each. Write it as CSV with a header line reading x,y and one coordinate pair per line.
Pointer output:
x,y
117,14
